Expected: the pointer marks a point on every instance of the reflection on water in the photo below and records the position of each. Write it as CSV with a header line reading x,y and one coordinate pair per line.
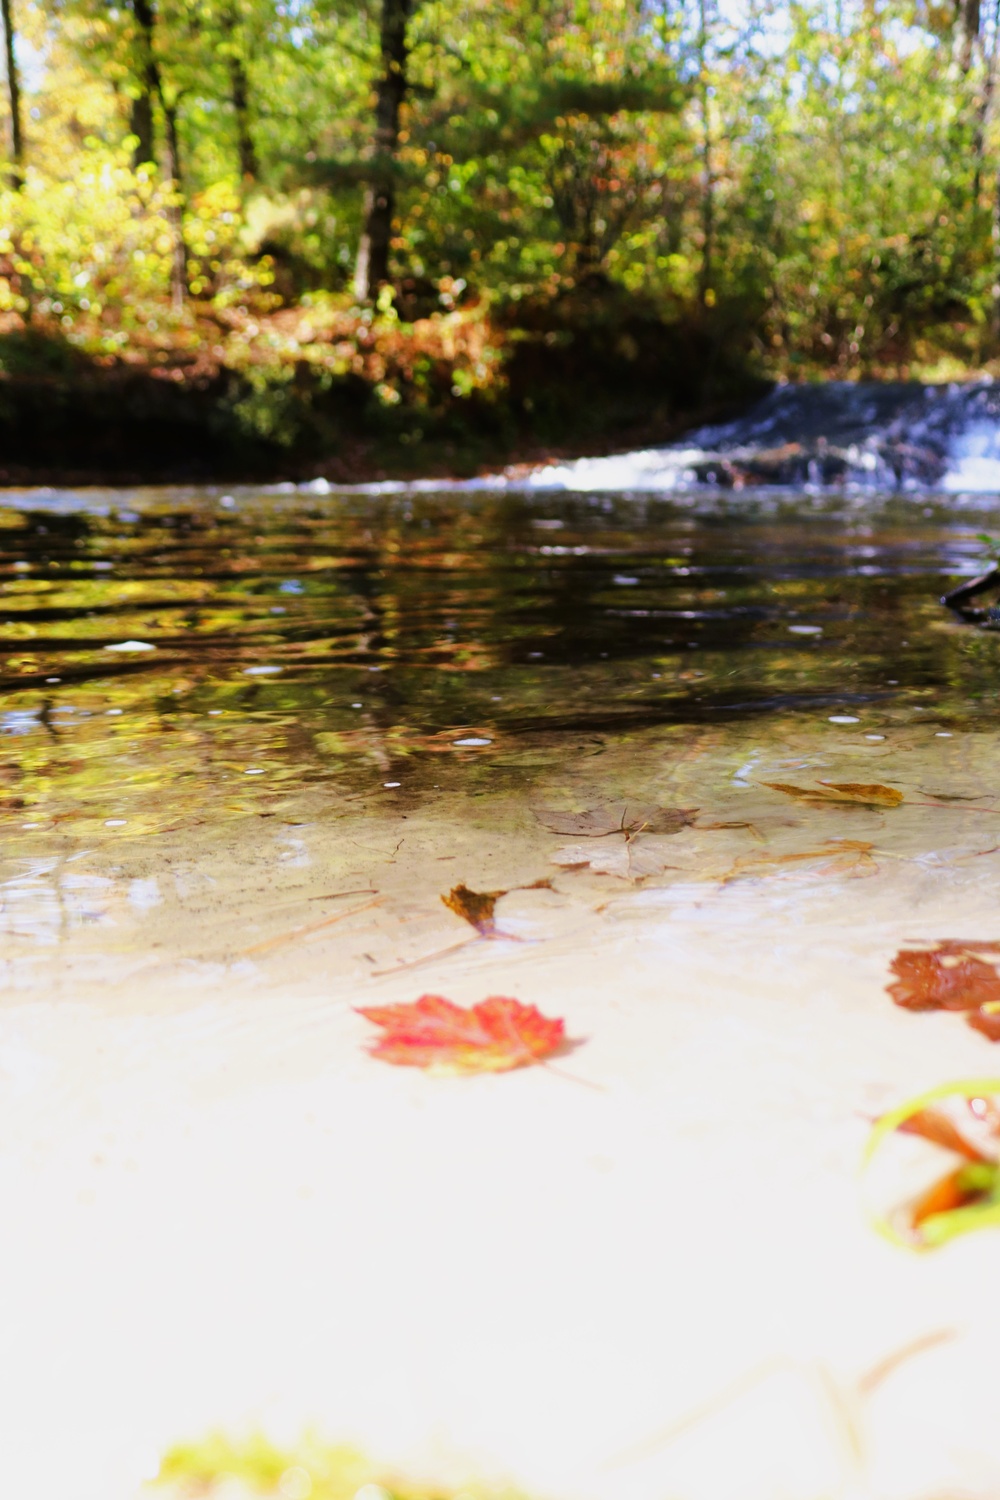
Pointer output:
x,y
338,635
176,663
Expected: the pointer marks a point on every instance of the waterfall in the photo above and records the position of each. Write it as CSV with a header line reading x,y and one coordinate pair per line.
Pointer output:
x,y
863,436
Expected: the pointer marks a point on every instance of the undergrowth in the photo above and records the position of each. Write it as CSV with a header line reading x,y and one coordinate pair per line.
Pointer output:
x,y
255,1468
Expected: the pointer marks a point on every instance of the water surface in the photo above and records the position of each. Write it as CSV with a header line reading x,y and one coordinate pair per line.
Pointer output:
x,y
248,743
356,641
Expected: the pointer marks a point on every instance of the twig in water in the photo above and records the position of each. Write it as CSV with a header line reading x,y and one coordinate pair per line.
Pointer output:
x,y
335,895
414,963
300,932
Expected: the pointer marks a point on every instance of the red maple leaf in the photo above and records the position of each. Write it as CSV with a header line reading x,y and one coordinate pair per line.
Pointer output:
x,y
952,975
497,1034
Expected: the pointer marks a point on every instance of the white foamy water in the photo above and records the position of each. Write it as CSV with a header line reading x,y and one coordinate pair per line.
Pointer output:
x,y
864,437
659,469
974,460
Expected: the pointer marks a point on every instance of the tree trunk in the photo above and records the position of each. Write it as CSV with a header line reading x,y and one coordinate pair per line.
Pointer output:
x,y
151,82
178,260
984,108
239,90
244,140
14,98
141,126
706,274
372,269
148,78
969,21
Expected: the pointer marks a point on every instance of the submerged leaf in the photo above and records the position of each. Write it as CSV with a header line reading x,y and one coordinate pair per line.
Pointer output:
x,y
863,794
475,906
632,860
618,817
846,857
497,1034
955,974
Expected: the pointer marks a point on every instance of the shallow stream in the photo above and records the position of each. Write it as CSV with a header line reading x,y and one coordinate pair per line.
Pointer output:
x,y
248,741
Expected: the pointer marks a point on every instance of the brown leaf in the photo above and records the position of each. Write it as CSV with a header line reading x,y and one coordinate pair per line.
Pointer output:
x,y
863,794
618,817
476,907
943,979
953,975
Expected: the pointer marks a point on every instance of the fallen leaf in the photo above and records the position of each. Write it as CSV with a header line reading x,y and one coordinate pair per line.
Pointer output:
x,y
475,906
963,1188
847,856
987,1020
964,1120
952,975
618,817
942,1129
497,1034
863,794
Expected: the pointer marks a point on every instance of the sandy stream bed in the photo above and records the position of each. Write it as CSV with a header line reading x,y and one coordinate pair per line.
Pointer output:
x,y
644,1273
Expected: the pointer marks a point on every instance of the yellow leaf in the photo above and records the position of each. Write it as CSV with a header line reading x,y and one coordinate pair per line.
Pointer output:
x,y
864,794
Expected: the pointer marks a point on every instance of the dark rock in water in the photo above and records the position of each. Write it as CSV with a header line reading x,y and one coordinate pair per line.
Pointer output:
x,y
893,435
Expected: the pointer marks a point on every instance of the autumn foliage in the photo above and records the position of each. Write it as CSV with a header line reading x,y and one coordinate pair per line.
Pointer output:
x,y
962,1120
492,1037
956,974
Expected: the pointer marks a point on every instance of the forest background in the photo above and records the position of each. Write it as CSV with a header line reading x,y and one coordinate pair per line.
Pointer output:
x,y
348,237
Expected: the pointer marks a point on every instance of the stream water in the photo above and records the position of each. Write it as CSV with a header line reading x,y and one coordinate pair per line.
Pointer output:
x,y
352,642
247,742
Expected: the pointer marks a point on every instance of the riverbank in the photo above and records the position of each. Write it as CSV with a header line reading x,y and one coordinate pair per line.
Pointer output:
x,y
324,389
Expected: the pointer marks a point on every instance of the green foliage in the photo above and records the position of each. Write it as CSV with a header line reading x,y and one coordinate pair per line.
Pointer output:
x,y
312,1470
806,187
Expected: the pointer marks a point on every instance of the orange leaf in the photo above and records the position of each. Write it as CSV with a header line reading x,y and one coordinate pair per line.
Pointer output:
x,y
951,1192
934,1125
491,1037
